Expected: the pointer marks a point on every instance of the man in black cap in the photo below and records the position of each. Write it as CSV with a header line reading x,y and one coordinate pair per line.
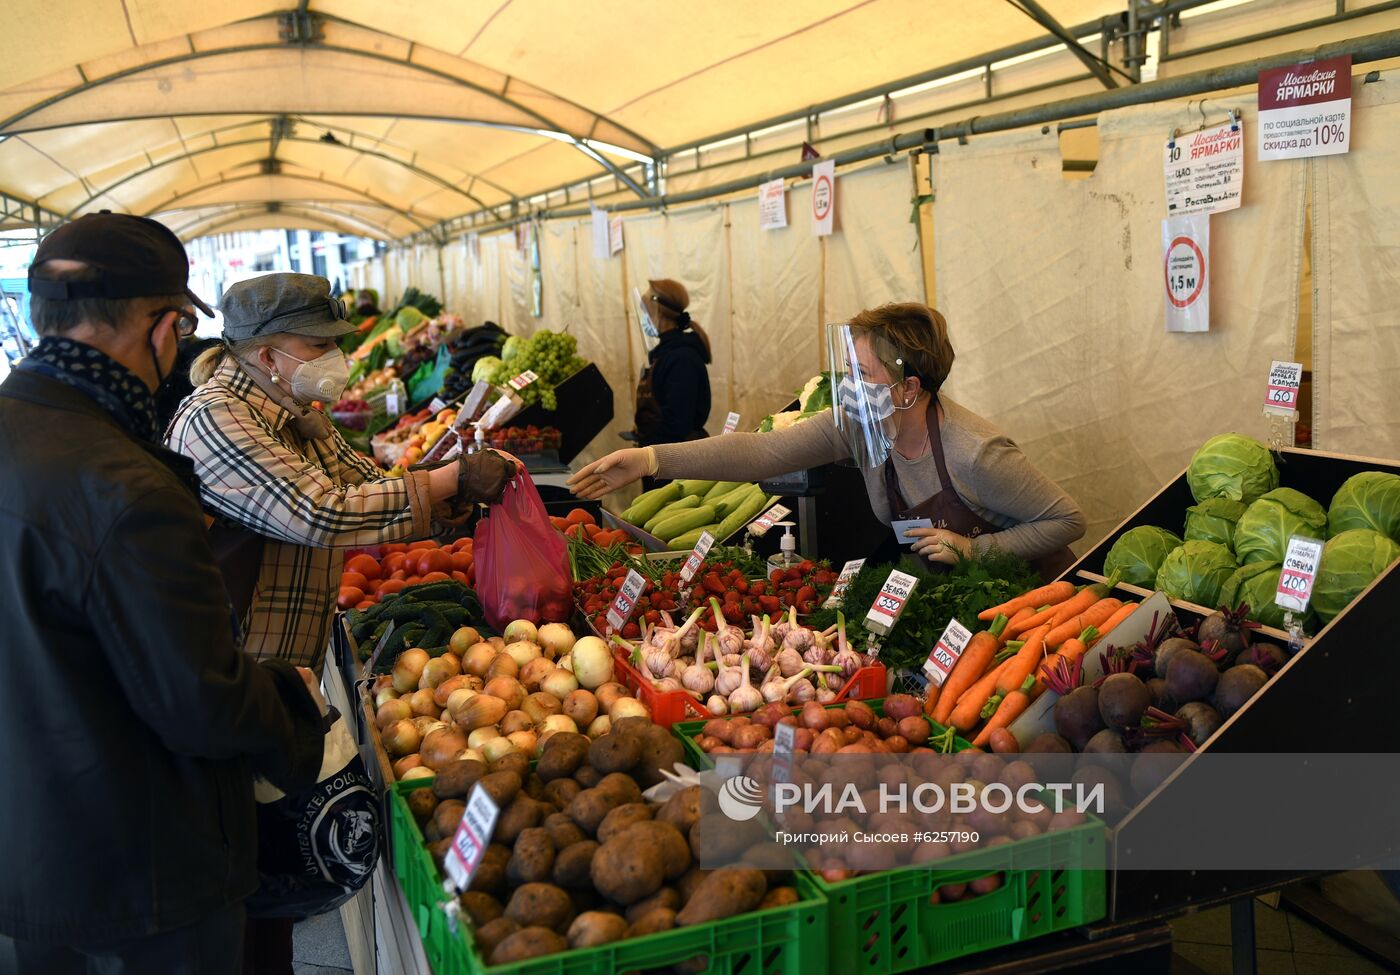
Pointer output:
x,y
131,725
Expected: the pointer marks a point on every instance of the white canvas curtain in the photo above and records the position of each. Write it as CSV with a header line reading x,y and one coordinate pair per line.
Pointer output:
x,y
1053,291
1356,269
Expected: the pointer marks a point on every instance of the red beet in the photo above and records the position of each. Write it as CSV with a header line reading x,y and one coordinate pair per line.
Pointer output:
x,y
1191,676
1122,700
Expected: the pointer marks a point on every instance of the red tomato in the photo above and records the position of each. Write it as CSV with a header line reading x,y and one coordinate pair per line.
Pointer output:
x,y
420,546
364,565
463,544
365,605
392,547
372,588
461,577
462,561
412,581
390,586
393,562
437,577
349,596
355,580
435,561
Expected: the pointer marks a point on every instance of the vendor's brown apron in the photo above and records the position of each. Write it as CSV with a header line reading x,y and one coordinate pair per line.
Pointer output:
x,y
947,511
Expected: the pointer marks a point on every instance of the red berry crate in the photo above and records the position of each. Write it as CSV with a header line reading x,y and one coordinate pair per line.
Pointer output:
x,y
670,707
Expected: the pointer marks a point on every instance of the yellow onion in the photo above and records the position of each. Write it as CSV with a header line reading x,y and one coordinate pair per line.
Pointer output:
x,y
555,723
442,746
524,741
425,724
444,690
402,765
592,662
458,698
472,755
535,671
390,711
422,702
556,639
521,630
628,707
386,694
515,721
541,705
599,726
401,738
409,668
439,669
480,711
463,639
508,689
522,652
419,772
477,658
565,662
582,706
481,736
559,682
607,693
502,665
498,748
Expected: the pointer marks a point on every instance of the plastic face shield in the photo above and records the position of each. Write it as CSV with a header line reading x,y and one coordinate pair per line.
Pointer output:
x,y
863,368
650,334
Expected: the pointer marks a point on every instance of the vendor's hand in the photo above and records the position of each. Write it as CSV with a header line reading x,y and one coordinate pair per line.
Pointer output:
x,y
618,469
313,687
940,545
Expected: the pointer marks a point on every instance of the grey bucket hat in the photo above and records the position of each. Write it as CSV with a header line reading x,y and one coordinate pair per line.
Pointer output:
x,y
283,302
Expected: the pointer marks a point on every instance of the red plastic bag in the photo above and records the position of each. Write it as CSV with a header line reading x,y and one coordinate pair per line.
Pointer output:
x,y
522,564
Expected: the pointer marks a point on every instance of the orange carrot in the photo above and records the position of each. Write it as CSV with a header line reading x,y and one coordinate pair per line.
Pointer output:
x,y
1030,622
1119,615
969,707
1018,668
1021,614
1070,651
1093,616
1010,708
931,698
976,657
1055,592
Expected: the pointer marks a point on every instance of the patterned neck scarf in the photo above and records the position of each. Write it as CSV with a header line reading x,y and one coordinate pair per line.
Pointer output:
x,y
93,373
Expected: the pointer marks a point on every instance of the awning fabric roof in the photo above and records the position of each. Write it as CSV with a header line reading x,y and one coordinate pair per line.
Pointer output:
x,y
385,118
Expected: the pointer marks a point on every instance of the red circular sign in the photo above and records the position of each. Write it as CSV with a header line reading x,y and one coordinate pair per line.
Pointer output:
x,y
821,197
1191,285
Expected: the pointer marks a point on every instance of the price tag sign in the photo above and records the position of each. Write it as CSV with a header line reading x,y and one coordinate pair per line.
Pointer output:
x,y
437,405
768,519
884,612
472,837
473,404
696,557
626,600
1281,398
1295,581
391,404
848,572
731,423
946,651
1205,169
784,744
521,381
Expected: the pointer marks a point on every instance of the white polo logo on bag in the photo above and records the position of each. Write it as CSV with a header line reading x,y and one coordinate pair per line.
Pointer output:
x,y
740,798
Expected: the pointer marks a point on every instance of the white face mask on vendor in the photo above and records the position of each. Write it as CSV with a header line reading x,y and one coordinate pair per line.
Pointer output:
x,y
321,379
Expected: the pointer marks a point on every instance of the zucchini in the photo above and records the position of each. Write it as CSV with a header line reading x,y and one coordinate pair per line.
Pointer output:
x,y
720,489
674,508
686,542
684,522
742,515
695,487
650,503
733,500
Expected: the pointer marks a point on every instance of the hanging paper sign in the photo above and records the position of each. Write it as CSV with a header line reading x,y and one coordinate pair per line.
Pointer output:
x,y
772,205
731,422
1295,580
768,519
472,837
1205,170
474,248
626,600
391,403
437,405
843,581
884,612
1186,272
524,379
1305,110
615,236
599,227
696,557
823,197
945,653
784,744
1281,398
472,405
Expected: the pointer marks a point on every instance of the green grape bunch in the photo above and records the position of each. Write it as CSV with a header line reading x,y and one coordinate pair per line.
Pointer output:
x,y
552,356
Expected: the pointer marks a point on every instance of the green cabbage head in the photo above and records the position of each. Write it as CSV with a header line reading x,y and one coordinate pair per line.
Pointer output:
x,y
1350,561
1257,584
1195,572
1232,466
1263,530
1213,520
1138,554
1371,500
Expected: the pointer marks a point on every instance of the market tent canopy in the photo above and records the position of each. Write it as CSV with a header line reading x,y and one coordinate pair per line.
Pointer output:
x,y
423,112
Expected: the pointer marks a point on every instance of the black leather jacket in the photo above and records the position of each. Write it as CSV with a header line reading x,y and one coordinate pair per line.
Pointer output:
x,y
130,724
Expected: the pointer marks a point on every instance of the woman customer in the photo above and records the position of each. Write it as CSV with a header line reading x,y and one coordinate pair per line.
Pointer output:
x,y
673,397
271,464
923,456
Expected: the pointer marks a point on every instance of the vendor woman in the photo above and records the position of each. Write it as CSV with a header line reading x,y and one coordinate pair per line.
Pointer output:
x,y
923,456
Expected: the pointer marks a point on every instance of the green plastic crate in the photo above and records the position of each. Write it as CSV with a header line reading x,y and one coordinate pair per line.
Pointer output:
x,y
688,731
789,940
883,923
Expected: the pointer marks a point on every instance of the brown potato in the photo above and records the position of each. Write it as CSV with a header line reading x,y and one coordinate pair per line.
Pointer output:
x,y
481,908
447,815
455,779
573,864
532,860
561,792
690,882
492,933
523,813
502,786
632,725
665,897
683,808
517,762
563,754
726,892
490,876
421,802
779,897
620,817
588,776
534,787
675,851
615,752
718,839
543,905
596,928
627,869
528,942
589,808
563,830
654,921
660,750
623,786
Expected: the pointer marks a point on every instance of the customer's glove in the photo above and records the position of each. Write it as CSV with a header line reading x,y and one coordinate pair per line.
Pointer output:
x,y
483,476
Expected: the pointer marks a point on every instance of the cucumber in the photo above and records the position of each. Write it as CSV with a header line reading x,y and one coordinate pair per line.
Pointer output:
x,y
695,487
686,542
742,515
674,508
684,522
650,503
733,500
720,489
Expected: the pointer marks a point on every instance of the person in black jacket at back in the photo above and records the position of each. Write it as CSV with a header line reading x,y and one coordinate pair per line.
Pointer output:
x,y
673,397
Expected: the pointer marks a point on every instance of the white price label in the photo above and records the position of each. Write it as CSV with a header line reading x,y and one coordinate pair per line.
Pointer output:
x,y
391,404
946,651
731,423
626,600
524,379
884,612
768,519
472,837
1205,169
784,744
1285,379
1295,580
437,405
696,557
848,572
